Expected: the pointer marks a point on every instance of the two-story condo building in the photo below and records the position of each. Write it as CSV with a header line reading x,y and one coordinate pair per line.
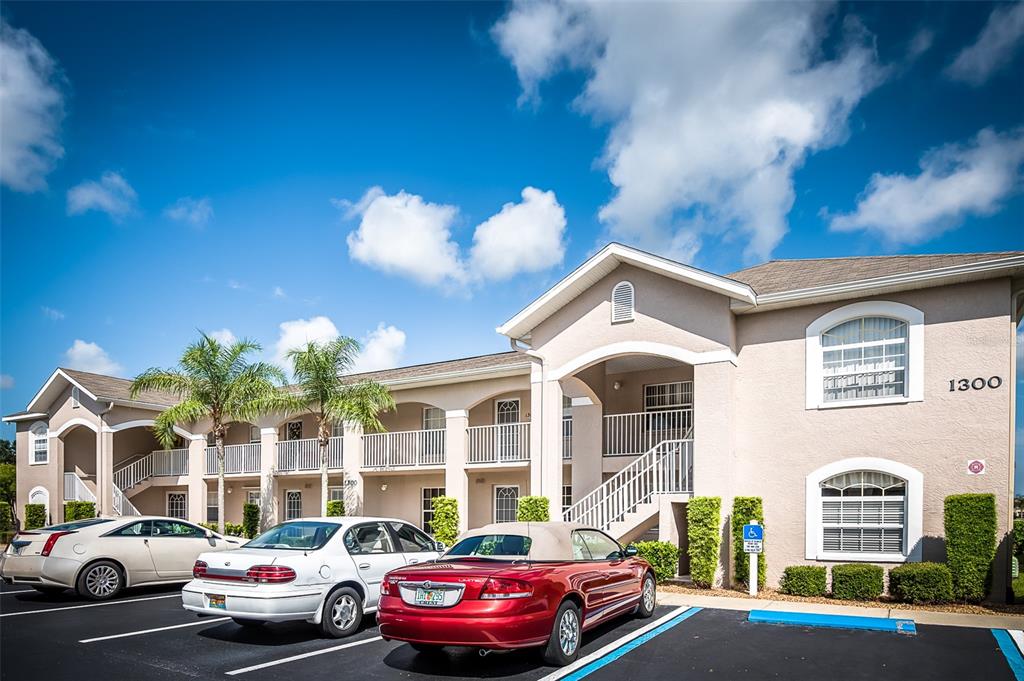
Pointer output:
x,y
851,394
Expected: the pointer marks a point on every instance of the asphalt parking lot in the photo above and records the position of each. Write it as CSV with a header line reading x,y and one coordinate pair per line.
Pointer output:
x,y
145,635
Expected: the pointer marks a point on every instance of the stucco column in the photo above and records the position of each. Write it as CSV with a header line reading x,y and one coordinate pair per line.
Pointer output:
x,y
352,458
456,482
55,469
196,484
536,427
551,444
105,470
268,477
587,443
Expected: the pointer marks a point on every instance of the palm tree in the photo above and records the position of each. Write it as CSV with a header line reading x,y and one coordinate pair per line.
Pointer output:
x,y
320,389
213,380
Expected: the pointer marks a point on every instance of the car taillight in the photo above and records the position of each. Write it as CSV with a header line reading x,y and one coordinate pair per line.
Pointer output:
x,y
51,540
199,570
385,587
499,587
269,574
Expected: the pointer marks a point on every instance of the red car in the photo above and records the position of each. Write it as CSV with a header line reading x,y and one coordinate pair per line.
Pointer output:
x,y
516,585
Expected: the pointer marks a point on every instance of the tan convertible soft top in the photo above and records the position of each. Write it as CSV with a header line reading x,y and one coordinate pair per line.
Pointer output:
x,y
548,541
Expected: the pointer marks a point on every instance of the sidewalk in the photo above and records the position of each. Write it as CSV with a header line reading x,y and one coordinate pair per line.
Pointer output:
x,y
951,619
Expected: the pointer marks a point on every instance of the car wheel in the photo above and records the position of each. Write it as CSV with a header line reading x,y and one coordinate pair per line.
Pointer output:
x,y
427,648
100,581
564,644
343,611
648,597
251,624
49,590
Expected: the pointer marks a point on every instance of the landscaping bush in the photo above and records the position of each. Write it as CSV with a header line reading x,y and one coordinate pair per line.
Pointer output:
x,y
35,516
335,508
234,529
703,538
211,526
6,518
745,509
446,519
79,510
921,583
970,524
803,580
1018,537
251,520
533,510
857,581
663,557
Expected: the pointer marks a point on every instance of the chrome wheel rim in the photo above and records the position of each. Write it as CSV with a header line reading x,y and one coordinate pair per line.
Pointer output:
x,y
102,580
648,594
344,612
568,632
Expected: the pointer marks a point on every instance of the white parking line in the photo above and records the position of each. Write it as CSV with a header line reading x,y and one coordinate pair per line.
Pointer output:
x,y
253,668
88,605
1018,637
150,631
20,591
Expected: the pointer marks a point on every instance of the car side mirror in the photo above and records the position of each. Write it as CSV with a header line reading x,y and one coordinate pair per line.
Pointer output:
x,y
440,546
630,551
209,534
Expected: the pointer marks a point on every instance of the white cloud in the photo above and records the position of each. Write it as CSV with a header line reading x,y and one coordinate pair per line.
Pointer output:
x,y
6,381
86,356
52,313
382,349
31,107
955,181
712,106
522,237
111,194
196,212
279,293
298,332
235,285
994,47
223,336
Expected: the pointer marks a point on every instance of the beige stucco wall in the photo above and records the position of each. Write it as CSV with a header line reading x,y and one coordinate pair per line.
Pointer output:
x,y
402,498
483,414
481,492
629,398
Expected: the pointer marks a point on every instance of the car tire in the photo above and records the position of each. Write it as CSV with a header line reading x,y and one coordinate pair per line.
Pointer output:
x,y
648,597
343,611
427,648
563,645
100,581
49,590
249,624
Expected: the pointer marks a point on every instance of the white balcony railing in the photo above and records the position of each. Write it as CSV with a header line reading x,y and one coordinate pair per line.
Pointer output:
x,y
567,437
404,448
159,462
504,443
75,489
635,434
304,455
237,459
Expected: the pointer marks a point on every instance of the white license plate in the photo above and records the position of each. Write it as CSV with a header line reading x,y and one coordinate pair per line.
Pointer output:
x,y
429,597
217,601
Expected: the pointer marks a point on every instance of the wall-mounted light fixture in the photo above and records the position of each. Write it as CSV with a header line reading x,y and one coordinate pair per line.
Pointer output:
x,y
616,385
384,487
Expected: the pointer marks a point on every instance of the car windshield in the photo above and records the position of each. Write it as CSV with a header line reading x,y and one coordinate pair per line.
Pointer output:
x,y
304,535
493,546
75,525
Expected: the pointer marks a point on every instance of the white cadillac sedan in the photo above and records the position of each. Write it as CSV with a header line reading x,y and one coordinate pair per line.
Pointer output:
x,y
326,571
98,557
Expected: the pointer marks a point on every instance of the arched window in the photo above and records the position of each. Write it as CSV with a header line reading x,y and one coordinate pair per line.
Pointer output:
x,y
622,302
865,353
38,444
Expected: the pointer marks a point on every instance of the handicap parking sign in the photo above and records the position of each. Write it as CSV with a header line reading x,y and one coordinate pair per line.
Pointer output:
x,y
753,532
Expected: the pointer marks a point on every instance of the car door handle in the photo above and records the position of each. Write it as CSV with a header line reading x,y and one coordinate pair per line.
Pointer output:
x,y
146,542
364,566
413,561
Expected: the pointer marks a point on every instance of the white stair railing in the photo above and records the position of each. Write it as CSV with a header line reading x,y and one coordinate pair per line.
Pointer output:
x,y
159,462
122,506
304,455
75,489
634,434
666,469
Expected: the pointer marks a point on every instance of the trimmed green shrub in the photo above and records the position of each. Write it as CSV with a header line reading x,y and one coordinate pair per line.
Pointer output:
x,y
250,520
533,510
803,580
6,518
234,529
6,538
703,538
35,516
921,583
970,524
446,519
79,510
1018,537
335,508
745,509
663,557
857,581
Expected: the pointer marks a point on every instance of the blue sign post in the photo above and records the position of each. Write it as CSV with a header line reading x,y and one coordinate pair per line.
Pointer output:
x,y
753,544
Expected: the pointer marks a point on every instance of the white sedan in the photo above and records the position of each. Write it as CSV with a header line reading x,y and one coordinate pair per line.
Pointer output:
x,y
99,557
326,571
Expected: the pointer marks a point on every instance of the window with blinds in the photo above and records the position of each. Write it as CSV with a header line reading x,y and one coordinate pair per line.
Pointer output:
x,y
864,358
622,302
433,418
863,512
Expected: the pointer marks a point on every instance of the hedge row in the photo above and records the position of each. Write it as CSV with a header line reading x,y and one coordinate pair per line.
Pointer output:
x,y
744,510
446,519
250,520
533,510
703,538
231,529
803,580
79,510
35,516
335,508
6,517
663,557
909,583
970,524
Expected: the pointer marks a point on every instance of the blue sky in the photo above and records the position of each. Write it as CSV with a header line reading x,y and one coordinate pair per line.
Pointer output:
x,y
411,175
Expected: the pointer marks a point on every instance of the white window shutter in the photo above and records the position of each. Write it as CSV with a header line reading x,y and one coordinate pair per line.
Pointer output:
x,y
622,302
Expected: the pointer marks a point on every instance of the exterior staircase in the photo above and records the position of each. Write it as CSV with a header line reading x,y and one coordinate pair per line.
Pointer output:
x,y
627,504
131,479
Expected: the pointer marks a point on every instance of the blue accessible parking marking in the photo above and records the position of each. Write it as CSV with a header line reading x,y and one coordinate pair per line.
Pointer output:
x,y
1010,652
805,619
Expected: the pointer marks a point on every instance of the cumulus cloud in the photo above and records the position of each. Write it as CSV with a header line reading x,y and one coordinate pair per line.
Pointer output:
x,y
278,293
995,46
110,194
956,180
406,235
52,314
298,332
196,212
223,336
31,107
712,106
6,381
86,356
382,349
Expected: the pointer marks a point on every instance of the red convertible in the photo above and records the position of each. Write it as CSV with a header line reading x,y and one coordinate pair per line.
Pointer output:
x,y
516,585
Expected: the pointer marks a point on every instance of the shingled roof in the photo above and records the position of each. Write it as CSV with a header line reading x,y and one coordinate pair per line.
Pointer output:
x,y
480,363
111,388
777,276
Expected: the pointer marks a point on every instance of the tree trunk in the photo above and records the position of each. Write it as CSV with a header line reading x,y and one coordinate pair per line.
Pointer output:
x,y
218,434
324,437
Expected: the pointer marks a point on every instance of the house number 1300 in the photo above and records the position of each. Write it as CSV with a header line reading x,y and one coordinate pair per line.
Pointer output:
x,y
961,384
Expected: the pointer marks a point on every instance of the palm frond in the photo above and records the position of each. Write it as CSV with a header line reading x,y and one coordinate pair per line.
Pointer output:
x,y
185,412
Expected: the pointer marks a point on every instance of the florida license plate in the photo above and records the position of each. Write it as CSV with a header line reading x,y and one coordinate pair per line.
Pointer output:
x,y
429,597
216,601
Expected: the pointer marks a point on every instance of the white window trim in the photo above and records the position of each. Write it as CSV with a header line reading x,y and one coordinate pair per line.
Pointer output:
x,y
494,500
423,510
631,316
32,438
167,504
285,499
877,308
914,522
519,408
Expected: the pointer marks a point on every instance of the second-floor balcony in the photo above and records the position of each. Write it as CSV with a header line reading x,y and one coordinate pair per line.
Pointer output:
x,y
502,443
304,455
406,448
238,459
636,433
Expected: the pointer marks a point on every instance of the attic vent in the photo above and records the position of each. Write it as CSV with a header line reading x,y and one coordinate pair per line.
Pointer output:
x,y
622,302
76,400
